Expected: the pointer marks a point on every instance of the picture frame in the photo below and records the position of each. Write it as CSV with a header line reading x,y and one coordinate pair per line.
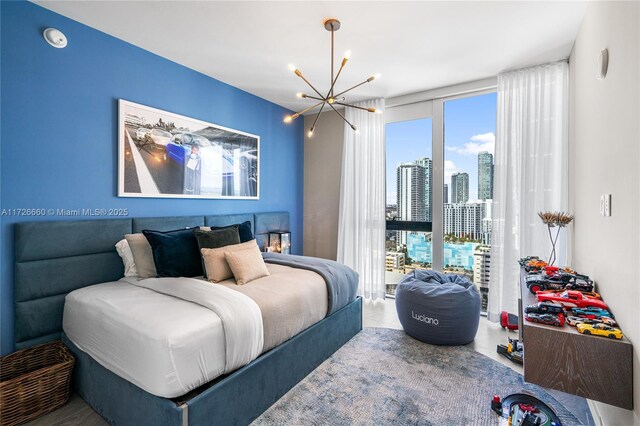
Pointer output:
x,y
163,154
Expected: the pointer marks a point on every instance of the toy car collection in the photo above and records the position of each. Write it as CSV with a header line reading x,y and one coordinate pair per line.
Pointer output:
x,y
600,330
513,351
563,295
549,319
545,308
571,299
591,312
573,320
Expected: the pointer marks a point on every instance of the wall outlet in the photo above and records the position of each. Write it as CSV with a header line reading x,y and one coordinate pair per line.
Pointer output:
x,y
605,205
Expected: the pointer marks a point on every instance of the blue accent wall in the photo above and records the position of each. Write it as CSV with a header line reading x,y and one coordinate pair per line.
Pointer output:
x,y
59,126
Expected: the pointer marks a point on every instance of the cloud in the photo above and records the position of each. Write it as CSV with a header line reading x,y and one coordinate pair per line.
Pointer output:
x,y
479,143
449,169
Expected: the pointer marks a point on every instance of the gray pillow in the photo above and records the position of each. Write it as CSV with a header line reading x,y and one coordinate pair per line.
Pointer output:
x,y
142,255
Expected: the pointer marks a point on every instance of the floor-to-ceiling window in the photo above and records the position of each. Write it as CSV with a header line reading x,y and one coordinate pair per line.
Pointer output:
x,y
469,138
409,184
439,177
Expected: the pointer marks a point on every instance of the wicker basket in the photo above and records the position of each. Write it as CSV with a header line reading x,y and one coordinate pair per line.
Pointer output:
x,y
34,381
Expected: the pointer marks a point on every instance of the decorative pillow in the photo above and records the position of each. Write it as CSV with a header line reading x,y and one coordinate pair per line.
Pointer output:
x,y
175,253
122,247
246,265
244,230
215,264
142,255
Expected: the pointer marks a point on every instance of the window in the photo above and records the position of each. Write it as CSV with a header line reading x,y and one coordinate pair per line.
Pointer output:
x,y
439,177
409,203
469,139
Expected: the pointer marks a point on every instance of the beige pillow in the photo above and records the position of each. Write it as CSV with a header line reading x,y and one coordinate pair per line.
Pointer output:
x,y
142,255
246,265
215,264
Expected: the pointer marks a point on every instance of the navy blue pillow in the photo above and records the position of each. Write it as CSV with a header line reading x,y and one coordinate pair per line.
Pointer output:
x,y
244,230
175,253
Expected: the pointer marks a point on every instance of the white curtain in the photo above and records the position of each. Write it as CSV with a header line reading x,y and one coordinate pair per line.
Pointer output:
x,y
361,228
530,174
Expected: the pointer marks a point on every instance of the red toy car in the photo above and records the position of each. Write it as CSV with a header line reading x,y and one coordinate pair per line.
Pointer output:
x,y
571,299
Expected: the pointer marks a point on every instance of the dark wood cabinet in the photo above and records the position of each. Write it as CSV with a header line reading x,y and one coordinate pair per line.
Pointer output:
x,y
563,359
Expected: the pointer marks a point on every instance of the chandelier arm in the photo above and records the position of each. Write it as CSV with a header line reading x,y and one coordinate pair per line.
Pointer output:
x,y
315,98
313,126
350,89
297,114
333,83
355,106
299,74
343,117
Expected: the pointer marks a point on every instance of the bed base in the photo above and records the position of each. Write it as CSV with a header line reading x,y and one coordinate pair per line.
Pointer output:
x,y
235,399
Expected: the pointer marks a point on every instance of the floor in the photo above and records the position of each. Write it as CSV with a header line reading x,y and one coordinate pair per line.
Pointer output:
x,y
375,314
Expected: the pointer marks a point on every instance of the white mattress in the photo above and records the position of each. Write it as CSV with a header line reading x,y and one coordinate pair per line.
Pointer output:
x,y
164,345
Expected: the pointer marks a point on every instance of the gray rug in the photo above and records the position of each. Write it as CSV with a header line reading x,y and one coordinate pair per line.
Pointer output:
x,y
384,377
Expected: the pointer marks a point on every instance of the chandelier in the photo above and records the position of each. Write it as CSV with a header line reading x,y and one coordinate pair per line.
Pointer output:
x,y
331,99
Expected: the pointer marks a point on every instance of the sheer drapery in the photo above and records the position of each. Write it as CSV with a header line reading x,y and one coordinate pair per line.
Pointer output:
x,y
530,174
361,229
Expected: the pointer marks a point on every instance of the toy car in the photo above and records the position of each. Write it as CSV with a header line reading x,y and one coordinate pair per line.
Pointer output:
x,y
549,319
571,299
574,321
557,281
600,330
545,308
591,312
508,321
586,293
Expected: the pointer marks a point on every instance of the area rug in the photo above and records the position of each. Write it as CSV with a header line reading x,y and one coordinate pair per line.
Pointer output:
x,y
384,377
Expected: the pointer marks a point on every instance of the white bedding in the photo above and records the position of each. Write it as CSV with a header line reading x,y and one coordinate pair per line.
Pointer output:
x,y
202,332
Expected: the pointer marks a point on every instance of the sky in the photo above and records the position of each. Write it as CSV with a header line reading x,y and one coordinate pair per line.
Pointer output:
x,y
470,126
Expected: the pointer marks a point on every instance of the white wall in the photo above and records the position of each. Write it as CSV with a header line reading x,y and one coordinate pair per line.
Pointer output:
x,y
322,172
605,158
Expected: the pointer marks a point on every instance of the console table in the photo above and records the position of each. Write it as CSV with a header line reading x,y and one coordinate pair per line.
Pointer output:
x,y
563,359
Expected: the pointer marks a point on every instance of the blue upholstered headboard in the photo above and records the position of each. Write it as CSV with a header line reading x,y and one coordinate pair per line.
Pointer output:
x,y
55,258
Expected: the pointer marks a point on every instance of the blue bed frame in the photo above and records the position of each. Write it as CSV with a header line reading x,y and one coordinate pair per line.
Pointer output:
x,y
54,258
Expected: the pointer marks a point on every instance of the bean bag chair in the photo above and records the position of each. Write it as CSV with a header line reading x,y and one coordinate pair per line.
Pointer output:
x,y
438,309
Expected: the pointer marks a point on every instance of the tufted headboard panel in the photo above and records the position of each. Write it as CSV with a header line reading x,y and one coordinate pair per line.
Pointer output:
x,y
55,258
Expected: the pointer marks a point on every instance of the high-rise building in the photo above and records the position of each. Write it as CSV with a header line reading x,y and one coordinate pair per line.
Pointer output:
x,y
446,194
464,220
459,188
482,271
427,164
485,176
410,192
394,261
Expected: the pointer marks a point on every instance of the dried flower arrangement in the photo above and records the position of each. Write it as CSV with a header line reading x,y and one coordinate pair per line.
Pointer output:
x,y
552,220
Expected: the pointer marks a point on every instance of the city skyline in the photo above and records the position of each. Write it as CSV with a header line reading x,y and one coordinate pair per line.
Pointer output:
x,y
469,129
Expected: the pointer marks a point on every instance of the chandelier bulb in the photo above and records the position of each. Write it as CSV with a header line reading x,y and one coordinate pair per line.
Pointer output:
x,y
347,54
287,119
331,100
292,67
310,132
301,95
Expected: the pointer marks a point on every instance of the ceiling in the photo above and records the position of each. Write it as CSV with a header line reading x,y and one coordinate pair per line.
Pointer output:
x,y
416,46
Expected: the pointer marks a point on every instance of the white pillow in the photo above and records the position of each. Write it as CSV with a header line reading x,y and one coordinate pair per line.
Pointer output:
x,y
123,249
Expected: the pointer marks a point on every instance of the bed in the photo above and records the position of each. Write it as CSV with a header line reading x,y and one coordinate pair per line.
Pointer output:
x,y
56,258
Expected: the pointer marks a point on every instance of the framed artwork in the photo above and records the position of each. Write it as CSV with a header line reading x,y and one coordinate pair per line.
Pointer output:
x,y
167,155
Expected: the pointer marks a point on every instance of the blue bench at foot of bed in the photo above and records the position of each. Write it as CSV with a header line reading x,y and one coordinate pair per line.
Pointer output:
x,y
235,399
